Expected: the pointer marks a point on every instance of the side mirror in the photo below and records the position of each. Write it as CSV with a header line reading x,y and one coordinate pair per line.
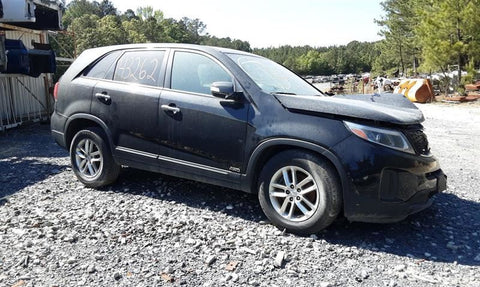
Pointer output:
x,y
224,90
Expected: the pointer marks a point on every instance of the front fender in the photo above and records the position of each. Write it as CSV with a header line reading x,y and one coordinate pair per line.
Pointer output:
x,y
251,176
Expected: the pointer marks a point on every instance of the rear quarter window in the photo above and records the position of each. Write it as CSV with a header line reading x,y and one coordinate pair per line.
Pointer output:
x,y
140,67
103,68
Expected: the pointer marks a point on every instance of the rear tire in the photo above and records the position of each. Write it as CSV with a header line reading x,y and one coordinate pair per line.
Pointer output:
x,y
91,158
300,192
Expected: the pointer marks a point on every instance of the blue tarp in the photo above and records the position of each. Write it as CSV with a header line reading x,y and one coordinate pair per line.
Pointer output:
x,y
17,57
29,62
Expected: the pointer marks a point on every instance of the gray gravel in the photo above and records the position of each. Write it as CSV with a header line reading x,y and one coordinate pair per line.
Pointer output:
x,y
153,230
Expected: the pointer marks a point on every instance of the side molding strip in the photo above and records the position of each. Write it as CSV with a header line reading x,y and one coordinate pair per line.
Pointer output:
x,y
173,160
57,132
136,152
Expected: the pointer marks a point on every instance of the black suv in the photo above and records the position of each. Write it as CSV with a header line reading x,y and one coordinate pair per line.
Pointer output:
x,y
241,121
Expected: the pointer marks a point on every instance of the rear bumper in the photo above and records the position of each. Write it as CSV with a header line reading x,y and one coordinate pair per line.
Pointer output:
x,y
57,126
385,185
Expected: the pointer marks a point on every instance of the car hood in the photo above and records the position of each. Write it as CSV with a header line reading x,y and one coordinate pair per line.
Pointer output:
x,y
390,108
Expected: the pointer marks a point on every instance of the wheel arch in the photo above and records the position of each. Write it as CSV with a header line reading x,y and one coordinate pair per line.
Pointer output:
x,y
264,151
78,122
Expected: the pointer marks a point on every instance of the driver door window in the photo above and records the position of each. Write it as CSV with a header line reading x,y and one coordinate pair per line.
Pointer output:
x,y
195,73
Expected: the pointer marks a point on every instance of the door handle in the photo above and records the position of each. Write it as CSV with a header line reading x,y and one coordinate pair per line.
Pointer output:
x,y
170,108
103,97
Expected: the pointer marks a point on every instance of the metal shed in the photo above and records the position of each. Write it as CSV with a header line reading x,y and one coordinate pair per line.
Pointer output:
x,y
26,98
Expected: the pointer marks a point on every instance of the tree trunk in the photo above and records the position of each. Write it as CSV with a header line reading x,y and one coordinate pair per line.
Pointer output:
x,y
459,69
401,58
414,66
459,38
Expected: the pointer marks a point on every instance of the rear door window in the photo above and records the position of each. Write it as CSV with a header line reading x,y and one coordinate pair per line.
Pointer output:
x,y
140,67
195,73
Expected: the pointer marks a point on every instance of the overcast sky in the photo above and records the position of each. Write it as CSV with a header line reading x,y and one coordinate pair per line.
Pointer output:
x,y
266,23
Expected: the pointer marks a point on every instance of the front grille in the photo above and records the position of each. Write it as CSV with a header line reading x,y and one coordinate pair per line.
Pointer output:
x,y
419,141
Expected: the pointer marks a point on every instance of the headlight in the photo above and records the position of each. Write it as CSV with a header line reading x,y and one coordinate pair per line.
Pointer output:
x,y
390,138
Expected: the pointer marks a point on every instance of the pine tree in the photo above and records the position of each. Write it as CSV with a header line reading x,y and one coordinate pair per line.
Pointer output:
x,y
449,31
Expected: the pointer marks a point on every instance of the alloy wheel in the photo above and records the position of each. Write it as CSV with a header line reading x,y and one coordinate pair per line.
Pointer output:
x,y
294,194
88,158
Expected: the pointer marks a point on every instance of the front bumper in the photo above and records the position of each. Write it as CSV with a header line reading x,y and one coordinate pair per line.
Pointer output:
x,y
385,185
382,210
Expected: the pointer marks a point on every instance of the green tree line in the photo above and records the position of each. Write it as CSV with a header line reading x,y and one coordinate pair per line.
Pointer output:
x,y
430,36
94,24
418,36
356,57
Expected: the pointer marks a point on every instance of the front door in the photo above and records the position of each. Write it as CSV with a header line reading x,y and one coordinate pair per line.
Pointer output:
x,y
204,132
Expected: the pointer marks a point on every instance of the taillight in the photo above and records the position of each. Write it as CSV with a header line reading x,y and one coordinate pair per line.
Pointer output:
x,y
55,91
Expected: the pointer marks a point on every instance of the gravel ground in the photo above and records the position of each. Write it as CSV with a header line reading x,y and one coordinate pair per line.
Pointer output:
x,y
153,230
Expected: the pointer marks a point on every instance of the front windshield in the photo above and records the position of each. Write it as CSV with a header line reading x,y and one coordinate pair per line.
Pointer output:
x,y
271,77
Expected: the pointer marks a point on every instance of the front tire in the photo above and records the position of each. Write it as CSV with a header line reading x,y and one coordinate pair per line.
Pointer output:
x,y
92,160
300,192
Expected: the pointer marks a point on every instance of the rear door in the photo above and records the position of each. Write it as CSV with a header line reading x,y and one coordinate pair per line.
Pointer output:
x,y
127,101
204,133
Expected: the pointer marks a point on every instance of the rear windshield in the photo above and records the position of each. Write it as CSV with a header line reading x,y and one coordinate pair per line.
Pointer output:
x,y
271,77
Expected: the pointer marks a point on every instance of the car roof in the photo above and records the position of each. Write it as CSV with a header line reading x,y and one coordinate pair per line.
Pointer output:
x,y
90,55
208,49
